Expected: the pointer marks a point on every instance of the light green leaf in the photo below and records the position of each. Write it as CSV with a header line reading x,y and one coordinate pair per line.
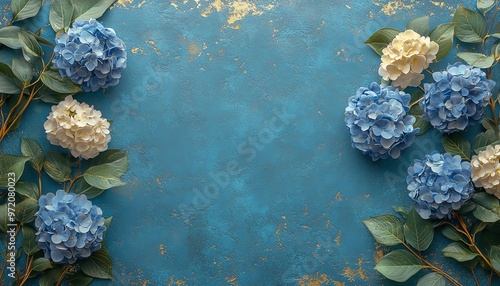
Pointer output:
x,y
31,148
61,14
107,175
52,79
386,229
477,59
91,9
25,210
485,5
11,168
424,125
41,264
398,265
9,37
484,139
30,46
22,69
470,26
421,25
432,279
381,38
456,144
81,187
24,9
418,231
403,211
27,190
98,265
487,207
30,246
495,257
57,166
9,83
443,36
459,251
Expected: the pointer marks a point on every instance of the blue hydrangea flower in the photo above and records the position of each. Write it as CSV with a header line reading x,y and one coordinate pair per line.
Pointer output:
x,y
90,55
68,226
439,184
378,120
456,98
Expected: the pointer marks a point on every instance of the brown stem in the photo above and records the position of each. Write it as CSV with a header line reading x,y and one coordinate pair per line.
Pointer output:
x,y
474,275
28,272
66,269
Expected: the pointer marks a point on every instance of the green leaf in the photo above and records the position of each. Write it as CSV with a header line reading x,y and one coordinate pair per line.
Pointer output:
x,y
459,251
467,208
9,83
26,210
487,207
484,139
107,222
485,5
470,26
452,234
418,232
81,187
107,175
108,156
417,111
41,264
57,166
477,59
386,229
9,37
417,95
98,265
24,9
79,279
61,13
489,124
471,264
11,168
31,148
432,279
443,36
52,79
478,227
30,46
12,101
495,257
27,190
51,277
403,211
4,218
381,38
398,265
91,9
456,144
30,246
421,25
22,69
48,95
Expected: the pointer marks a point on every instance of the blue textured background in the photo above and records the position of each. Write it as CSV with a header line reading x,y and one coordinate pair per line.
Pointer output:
x,y
241,167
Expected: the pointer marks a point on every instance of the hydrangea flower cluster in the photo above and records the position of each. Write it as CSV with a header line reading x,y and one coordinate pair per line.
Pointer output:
x,y
68,227
90,55
456,98
439,184
378,120
486,170
78,127
404,59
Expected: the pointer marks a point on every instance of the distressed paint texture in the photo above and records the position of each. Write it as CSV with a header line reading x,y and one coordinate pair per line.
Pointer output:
x,y
241,168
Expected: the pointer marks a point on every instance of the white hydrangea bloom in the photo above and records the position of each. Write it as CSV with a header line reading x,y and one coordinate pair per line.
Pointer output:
x,y
77,127
486,170
404,59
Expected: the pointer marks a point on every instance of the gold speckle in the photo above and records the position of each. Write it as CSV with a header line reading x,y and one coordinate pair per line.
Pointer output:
x,y
162,249
232,279
360,270
194,51
347,6
137,50
390,8
339,197
378,255
177,282
152,44
337,238
367,195
349,273
439,4
314,280
338,283
238,9
123,3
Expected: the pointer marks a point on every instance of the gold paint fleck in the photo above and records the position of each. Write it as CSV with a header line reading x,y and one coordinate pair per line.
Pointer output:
x,y
367,195
338,283
152,44
237,10
145,283
314,280
140,4
349,273
339,197
360,270
137,50
232,280
439,4
378,255
194,51
162,249
348,7
337,238
177,282
390,8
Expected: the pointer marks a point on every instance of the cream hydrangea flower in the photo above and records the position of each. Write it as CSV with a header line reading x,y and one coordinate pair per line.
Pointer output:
x,y
77,127
486,170
404,59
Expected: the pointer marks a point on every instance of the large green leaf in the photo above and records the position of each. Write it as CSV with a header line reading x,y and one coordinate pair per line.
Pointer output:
x,y
470,26
30,246
4,218
90,9
30,46
52,79
81,187
27,190
418,231
398,265
458,251
9,37
9,83
61,14
477,59
107,175
421,25
79,279
31,148
432,279
456,144
26,210
57,166
98,265
11,168
108,156
41,264
386,229
452,234
50,278
484,139
487,207
485,5
495,257
24,9
381,38
22,69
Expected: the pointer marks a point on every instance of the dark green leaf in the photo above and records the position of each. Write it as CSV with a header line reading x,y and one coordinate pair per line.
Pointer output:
x,y
484,139
11,168
4,218
57,166
61,13
79,279
485,5
459,251
30,246
41,264
27,190
443,36
9,37
30,46
51,277
83,188
98,265
418,232
471,264
456,144
48,95
25,210
452,234
24,9
467,208
22,69
478,227
487,207
381,38
43,41
31,148
386,229
91,9
477,59
417,111
107,175
432,279
9,83
398,265
52,79
417,95
489,124
108,156
421,25
470,26
495,257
